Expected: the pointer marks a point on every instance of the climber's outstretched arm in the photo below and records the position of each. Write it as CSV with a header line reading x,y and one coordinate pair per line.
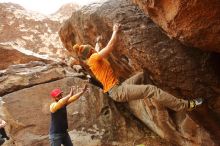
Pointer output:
x,y
110,46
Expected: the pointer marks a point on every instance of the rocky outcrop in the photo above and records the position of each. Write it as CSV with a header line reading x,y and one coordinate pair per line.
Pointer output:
x,y
10,56
26,75
94,119
182,71
31,32
27,79
195,23
66,11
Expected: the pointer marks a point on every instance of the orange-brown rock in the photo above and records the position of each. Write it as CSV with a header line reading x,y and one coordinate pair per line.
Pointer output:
x,y
194,23
26,81
21,76
182,71
10,56
25,92
94,120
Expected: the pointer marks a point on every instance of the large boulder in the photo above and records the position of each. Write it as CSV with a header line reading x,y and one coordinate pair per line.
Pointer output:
x,y
25,91
195,23
182,71
93,119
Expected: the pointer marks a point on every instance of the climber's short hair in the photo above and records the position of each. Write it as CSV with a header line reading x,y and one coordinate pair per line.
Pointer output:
x,y
83,51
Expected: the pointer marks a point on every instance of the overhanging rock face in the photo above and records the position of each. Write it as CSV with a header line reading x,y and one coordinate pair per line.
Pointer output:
x,y
182,71
195,23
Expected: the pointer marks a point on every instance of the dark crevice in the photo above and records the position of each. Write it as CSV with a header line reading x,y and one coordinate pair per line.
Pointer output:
x,y
214,60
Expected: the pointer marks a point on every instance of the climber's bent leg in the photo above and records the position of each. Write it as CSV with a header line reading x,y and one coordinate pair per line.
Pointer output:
x,y
126,92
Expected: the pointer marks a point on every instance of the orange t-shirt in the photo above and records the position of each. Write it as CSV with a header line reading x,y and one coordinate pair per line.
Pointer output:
x,y
102,70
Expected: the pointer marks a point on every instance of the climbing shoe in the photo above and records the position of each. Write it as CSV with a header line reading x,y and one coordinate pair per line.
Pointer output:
x,y
194,103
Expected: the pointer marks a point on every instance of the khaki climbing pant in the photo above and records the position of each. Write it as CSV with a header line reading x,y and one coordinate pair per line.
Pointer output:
x,y
133,89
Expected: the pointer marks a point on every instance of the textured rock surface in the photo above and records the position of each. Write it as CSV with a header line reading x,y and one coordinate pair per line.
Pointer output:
x,y
195,23
182,71
25,89
10,56
65,11
26,75
94,118
30,32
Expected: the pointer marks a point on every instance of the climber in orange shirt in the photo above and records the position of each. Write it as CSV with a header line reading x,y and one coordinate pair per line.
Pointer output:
x,y
59,123
132,88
